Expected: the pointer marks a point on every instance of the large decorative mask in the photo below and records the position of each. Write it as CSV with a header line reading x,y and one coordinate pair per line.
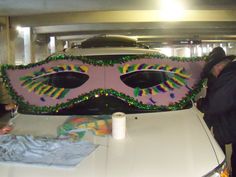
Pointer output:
x,y
145,81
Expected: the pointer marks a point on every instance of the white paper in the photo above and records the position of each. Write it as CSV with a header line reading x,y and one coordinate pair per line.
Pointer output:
x,y
118,125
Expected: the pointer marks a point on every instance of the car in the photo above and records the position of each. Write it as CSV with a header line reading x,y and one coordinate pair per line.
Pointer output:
x,y
165,133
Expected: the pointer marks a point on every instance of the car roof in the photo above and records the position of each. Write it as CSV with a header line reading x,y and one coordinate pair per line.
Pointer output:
x,y
108,51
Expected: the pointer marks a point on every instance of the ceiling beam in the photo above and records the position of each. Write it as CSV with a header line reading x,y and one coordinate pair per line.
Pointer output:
x,y
160,31
126,16
57,29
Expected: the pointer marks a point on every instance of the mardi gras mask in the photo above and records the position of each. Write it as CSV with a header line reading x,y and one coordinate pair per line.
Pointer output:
x,y
61,81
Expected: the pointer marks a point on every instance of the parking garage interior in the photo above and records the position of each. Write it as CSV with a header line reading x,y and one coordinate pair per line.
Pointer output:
x,y
30,31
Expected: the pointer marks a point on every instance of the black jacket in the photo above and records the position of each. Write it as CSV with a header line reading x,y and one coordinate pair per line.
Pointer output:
x,y
202,103
220,105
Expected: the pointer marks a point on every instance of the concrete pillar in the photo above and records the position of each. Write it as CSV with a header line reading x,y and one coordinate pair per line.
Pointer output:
x,y
7,42
7,36
41,52
32,46
192,51
59,45
41,44
29,49
52,44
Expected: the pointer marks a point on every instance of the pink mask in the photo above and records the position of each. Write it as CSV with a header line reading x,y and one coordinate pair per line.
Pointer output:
x,y
30,84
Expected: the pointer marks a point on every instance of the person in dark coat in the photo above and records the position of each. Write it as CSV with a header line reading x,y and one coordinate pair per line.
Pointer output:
x,y
202,102
219,105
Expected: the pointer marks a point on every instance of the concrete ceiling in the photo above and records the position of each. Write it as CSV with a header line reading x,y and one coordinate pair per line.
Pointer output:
x,y
205,20
26,7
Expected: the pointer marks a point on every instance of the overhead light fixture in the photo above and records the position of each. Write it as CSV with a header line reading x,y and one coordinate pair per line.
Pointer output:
x,y
167,51
199,51
19,28
185,42
187,52
22,30
230,45
171,10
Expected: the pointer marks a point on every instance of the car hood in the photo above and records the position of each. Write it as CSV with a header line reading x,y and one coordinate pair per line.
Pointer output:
x,y
169,144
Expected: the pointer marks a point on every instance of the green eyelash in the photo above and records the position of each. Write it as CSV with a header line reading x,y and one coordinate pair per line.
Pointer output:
x,y
140,67
178,80
170,84
40,88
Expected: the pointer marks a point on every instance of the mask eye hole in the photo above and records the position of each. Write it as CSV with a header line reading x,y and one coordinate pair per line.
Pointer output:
x,y
67,80
144,79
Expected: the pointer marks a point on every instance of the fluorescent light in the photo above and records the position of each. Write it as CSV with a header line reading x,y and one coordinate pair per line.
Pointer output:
x,y
19,28
52,44
199,51
167,51
171,10
187,52
204,50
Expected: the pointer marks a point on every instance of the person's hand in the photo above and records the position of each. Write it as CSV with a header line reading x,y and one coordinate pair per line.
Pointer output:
x,y
10,107
199,102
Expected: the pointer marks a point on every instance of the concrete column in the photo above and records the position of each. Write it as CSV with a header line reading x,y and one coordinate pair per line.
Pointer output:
x,y
7,54
29,49
3,41
7,42
32,46
41,52
41,44
59,45
192,51
52,44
